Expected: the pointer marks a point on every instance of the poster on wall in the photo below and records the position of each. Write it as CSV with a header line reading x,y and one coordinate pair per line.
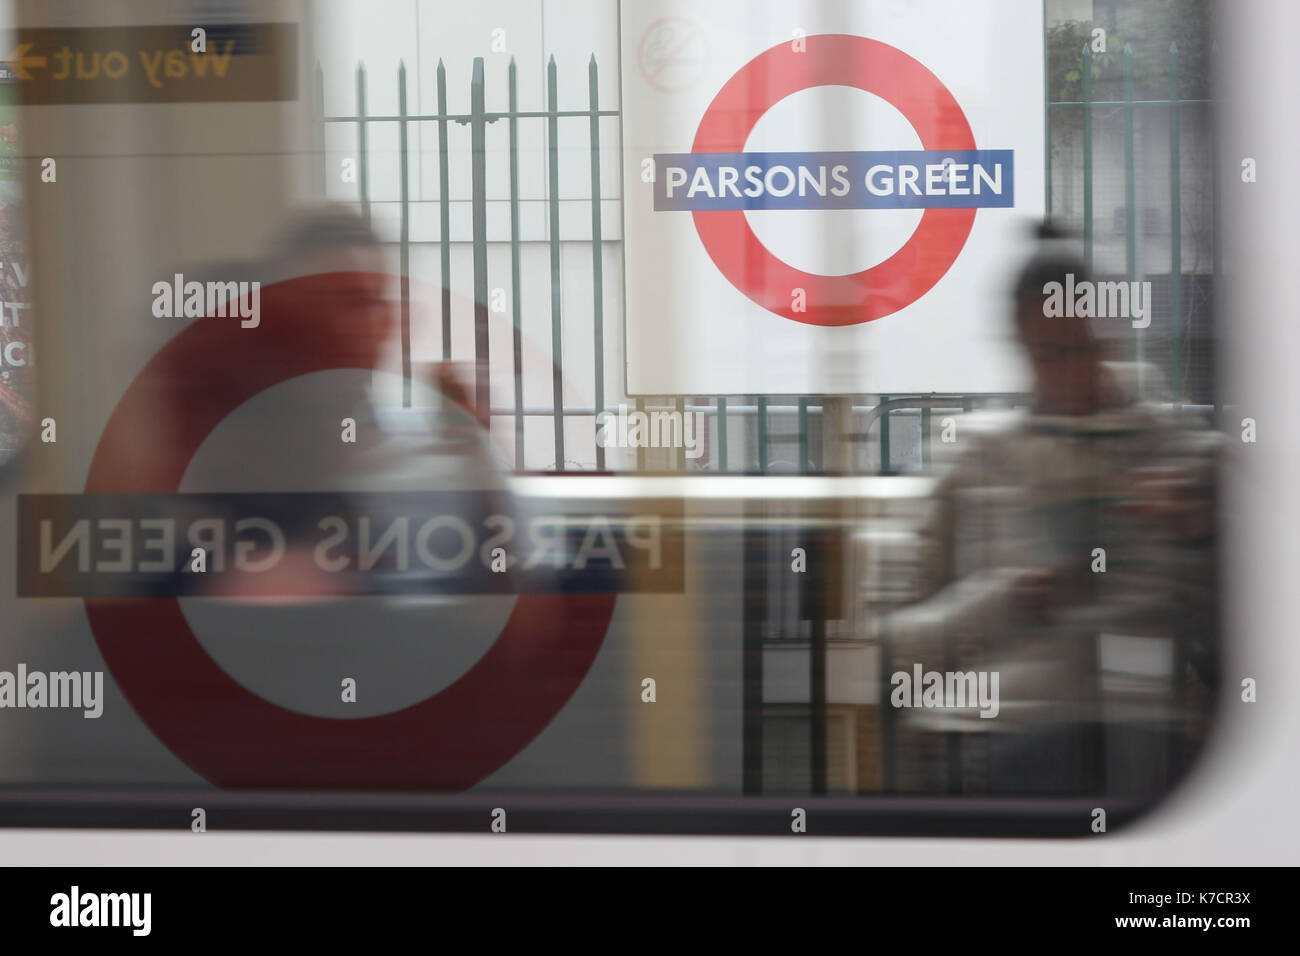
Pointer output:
x,y
828,196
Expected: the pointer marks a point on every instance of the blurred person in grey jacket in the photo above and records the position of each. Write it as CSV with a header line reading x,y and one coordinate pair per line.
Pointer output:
x,y
1070,551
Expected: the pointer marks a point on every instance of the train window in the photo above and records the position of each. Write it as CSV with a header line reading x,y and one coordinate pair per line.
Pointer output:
x,y
641,417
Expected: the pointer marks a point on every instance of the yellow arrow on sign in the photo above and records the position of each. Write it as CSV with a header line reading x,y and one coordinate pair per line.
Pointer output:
x,y
18,61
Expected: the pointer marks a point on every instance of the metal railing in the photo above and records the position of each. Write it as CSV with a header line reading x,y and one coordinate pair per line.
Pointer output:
x,y
1129,106
720,410
477,119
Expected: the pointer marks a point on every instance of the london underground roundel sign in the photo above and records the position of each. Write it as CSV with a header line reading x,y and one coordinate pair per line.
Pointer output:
x,y
835,204
225,732
949,178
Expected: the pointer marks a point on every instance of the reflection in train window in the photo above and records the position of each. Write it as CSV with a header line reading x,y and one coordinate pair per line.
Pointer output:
x,y
553,405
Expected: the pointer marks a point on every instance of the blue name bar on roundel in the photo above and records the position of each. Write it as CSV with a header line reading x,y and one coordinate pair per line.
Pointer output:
x,y
836,179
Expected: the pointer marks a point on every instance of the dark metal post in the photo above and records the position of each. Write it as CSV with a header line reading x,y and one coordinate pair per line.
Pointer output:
x,y
1085,66
478,137
1175,227
884,437
597,265
557,336
515,290
754,598
404,241
363,170
803,436
444,221
318,133
1130,187
722,432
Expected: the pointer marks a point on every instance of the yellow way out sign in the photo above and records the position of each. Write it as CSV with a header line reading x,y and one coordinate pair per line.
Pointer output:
x,y
239,63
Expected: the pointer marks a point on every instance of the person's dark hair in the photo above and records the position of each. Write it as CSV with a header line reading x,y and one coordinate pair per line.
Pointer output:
x,y
1055,257
327,227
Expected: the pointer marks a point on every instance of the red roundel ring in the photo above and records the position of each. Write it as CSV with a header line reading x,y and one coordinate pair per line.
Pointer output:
x,y
834,60
220,729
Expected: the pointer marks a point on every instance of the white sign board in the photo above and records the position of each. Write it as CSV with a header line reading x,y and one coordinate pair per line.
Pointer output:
x,y
828,196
